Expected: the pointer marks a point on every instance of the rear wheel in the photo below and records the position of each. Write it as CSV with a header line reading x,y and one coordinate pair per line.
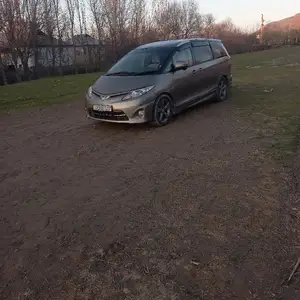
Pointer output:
x,y
162,112
222,90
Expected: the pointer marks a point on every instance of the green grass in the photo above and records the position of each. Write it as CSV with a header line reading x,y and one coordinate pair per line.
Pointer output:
x,y
45,92
267,90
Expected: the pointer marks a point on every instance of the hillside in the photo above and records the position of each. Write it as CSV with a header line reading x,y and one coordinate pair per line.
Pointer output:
x,y
285,24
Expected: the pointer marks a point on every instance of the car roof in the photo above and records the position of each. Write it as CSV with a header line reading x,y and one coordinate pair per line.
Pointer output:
x,y
174,43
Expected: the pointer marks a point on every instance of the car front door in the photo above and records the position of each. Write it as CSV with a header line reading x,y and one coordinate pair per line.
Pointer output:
x,y
181,83
205,78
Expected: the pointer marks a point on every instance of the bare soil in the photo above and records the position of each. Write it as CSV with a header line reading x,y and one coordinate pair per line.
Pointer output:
x,y
193,210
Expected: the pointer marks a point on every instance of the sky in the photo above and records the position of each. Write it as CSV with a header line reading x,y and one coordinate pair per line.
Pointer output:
x,y
246,13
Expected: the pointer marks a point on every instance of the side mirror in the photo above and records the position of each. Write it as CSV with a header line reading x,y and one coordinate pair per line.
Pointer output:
x,y
179,65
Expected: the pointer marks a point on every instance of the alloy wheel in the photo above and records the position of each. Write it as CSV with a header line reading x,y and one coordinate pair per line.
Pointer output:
x,y
163,110
222,90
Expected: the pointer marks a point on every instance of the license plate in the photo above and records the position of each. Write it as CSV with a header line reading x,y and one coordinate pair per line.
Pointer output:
x,y
100,107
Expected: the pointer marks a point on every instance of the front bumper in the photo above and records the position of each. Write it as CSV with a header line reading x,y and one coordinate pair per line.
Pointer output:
x,y
138,110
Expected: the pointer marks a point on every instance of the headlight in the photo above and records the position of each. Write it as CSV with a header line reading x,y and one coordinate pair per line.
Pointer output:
x,y
138,93
90,91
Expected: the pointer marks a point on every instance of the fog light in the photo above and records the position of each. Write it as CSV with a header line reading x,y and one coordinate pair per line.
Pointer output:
x,y
141,113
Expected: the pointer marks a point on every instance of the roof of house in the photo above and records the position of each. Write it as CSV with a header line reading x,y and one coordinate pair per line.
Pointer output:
x,y
42,40
84,39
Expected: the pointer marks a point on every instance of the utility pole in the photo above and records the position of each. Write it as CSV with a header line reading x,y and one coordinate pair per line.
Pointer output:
x,y
262,25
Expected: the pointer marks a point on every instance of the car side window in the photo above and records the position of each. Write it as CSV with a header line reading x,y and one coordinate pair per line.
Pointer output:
x,y
218,49
202,54
184,55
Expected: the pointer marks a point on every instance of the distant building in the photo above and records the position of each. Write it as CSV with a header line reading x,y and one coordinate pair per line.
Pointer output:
x,y
85,47
50,52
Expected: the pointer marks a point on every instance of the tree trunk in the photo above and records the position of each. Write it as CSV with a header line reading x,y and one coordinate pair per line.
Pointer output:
x,y
26,70
4,80
53,54
36,64
75,59
61,50
15,62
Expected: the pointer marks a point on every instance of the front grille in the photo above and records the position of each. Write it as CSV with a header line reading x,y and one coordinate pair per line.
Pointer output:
x,y
109,96
116,115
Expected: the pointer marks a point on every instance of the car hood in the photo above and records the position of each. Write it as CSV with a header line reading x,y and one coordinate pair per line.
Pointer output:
x,y
120,84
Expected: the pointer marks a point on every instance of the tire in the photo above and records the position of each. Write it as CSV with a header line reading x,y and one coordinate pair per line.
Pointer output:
x,y
222,90
162,111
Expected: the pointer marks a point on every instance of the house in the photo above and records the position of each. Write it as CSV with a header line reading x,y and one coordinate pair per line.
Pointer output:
x,y
48,53
87,48
52,56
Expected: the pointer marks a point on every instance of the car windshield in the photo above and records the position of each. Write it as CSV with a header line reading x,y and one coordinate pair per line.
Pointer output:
x,y
141,62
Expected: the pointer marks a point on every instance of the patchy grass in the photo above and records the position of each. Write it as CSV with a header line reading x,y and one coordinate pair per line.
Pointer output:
x,y
267,88
46,91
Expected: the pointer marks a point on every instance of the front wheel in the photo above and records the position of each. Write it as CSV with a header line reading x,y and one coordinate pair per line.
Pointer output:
x,y
162,112
222,90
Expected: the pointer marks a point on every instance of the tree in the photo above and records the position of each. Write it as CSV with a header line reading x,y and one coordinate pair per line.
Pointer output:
x,y
2,65
21,21
97,12
191,19
117,16
71,18
177,20
60,26
209,22
81,21
138,19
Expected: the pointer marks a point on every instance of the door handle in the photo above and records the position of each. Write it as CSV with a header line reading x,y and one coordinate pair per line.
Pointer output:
x,y
194,71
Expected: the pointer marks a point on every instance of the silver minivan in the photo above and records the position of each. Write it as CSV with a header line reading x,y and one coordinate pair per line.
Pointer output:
x,y
155,81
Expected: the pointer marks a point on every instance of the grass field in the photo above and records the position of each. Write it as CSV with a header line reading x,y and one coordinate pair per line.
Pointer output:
x,y
266,88
45,92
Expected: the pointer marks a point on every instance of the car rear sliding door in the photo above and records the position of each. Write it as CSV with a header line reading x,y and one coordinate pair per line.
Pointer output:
x,y
205,79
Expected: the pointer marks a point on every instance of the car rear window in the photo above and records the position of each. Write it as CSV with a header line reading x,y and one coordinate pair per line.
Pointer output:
x,y
202,54
218,49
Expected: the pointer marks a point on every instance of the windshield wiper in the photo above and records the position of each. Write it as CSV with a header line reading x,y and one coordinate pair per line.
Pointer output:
x,y
122,74
147,72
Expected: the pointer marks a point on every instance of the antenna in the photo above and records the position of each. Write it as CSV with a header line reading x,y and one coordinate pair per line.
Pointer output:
x,y
262,25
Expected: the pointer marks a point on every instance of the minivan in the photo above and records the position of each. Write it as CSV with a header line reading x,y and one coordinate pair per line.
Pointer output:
x,y
158,80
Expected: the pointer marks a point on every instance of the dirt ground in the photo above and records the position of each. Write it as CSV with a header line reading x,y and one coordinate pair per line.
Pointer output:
x,y
193,210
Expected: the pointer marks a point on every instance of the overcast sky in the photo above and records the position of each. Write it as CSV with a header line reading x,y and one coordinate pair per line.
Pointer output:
x,y
247,12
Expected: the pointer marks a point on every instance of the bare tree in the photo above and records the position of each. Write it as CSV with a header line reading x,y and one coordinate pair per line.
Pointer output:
x,y
83,38
96,8
49,27
191,19
2,47
117,14
61,26
21,20
97,12
166,19
71,16
138,19
209,22
177,20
